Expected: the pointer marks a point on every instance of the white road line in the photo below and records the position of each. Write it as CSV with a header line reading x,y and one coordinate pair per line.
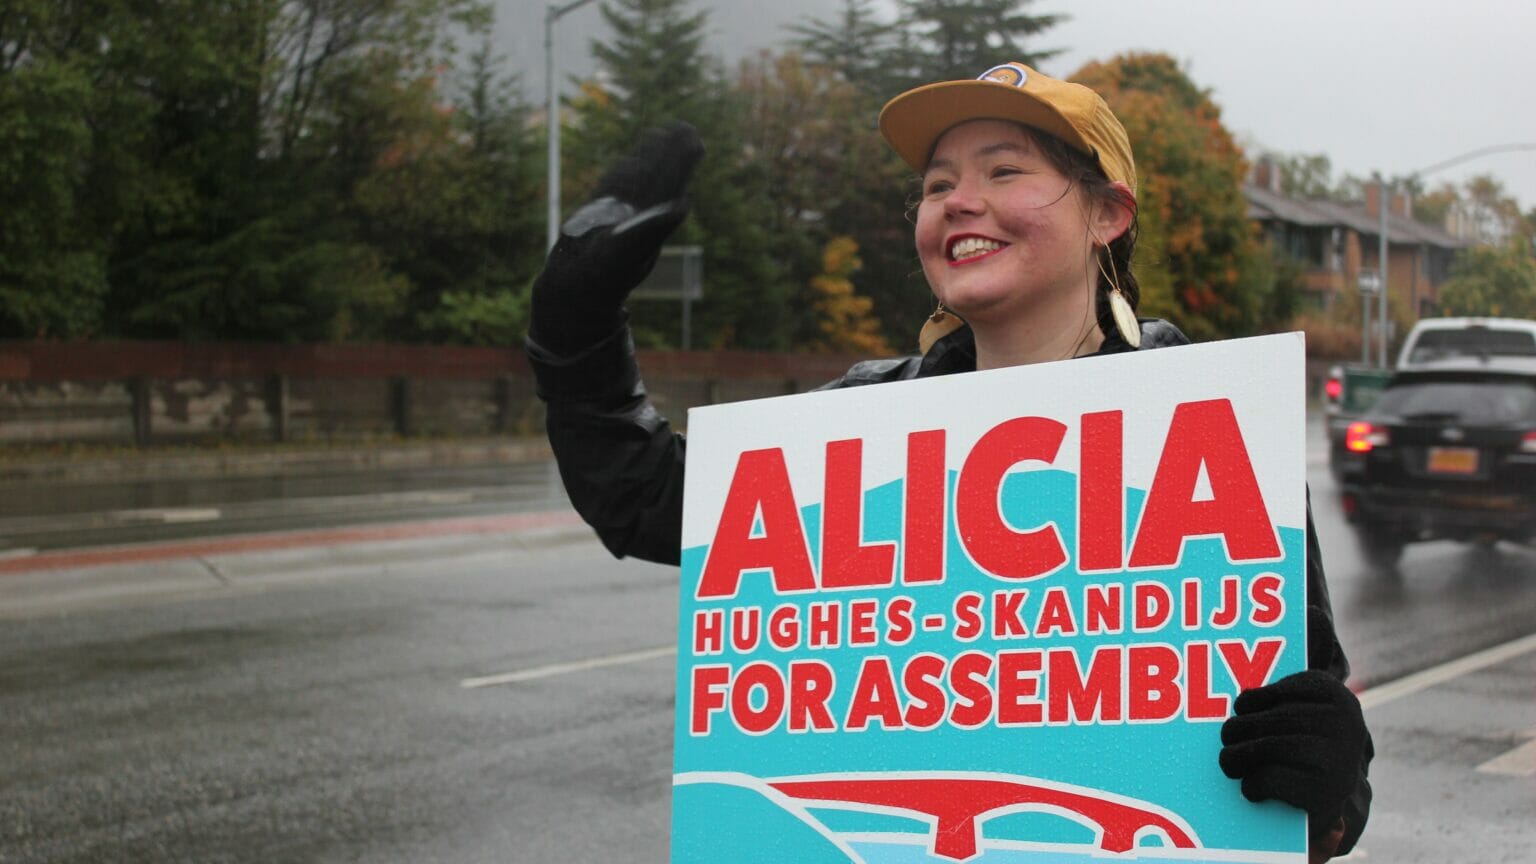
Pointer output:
x,y
567,668
1410,684
168,515
1519,762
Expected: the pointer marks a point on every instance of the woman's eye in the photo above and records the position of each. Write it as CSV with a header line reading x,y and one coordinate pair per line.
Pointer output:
x,y
1005,171
937,187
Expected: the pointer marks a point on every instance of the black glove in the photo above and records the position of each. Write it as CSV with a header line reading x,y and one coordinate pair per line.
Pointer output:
x,y
1300,740
610,245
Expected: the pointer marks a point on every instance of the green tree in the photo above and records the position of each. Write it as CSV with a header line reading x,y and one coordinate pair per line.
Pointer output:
x,y
826,174
953,39
1198,258
856,45
658,72
452,208
1306,175
52,255
1492,280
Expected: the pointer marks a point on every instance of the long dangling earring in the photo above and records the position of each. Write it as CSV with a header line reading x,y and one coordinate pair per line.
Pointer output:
x,y
1119,307
940,324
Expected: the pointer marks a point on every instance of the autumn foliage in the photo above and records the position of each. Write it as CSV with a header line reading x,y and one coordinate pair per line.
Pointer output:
x,y
1198,260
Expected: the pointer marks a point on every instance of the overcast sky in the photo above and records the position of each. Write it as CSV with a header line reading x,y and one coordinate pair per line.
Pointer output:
x,y
1376,85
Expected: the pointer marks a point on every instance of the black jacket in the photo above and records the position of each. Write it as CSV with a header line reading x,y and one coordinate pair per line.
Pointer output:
x,y
623,465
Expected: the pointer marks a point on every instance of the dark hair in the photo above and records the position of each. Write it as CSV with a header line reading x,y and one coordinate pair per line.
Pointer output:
x,y
1084,172
1115,261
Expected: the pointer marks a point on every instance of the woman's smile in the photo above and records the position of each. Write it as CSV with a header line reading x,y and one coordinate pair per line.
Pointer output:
x,y
969,248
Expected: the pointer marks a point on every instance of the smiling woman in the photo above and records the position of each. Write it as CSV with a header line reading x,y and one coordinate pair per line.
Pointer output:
x,y
1025,231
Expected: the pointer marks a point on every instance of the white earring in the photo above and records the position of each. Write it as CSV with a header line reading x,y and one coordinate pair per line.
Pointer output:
x,y
1125,318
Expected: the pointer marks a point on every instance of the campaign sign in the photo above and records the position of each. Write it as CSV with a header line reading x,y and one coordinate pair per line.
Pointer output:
x,y
995,617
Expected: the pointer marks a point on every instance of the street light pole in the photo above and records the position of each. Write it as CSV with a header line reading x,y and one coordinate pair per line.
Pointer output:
x,y
553,13
1384,203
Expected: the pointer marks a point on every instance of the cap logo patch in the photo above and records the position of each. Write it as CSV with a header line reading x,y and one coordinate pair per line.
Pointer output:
x,y
1008,73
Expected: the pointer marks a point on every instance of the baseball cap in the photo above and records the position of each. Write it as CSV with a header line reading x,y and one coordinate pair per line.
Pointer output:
x,y
914,121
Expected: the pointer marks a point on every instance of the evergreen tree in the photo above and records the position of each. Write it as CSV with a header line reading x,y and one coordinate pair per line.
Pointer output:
x,y
654,70
953,39
856,45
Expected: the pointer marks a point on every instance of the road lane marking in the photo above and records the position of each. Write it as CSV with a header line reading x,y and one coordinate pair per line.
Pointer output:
x,y
168,515
1410,684
567,668
1519,762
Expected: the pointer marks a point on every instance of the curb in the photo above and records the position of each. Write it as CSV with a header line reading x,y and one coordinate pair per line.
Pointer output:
x,y
143,553
75,579
149,464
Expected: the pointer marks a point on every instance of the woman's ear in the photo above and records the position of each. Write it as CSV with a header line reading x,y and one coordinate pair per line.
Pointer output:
x,y
1112,217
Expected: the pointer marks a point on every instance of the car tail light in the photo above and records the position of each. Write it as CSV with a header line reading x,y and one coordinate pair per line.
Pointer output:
x,y
1363,437
1334,388
1528,443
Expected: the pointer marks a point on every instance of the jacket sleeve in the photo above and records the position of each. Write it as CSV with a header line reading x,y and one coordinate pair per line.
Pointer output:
x,y
1357,808
621,463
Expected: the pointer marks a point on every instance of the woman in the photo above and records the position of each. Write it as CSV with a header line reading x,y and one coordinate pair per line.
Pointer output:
x,y
1025,230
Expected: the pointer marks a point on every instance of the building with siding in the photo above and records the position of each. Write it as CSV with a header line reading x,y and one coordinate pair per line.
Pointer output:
x,y
1335,242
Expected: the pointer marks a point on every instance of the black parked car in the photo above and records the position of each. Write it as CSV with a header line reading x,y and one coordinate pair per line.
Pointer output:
x,y
1448,451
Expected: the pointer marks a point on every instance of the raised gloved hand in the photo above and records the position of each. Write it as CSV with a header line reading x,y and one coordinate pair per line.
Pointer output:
x,y
610,245
1300,740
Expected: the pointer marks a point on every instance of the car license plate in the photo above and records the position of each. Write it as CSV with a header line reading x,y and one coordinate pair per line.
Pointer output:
x,y
1452,460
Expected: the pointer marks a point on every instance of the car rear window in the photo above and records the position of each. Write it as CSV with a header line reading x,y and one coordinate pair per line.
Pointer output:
x,y
1433,344
1490,402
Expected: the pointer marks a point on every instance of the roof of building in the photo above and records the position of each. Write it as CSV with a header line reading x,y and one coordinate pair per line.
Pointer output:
x,y
1269,206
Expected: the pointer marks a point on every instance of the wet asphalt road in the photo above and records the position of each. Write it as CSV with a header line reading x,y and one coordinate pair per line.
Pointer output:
x,y
325,721
73,515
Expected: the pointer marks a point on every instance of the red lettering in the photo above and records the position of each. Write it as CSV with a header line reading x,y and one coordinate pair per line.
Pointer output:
x,y
993,544
923,521
920,678
784,627
1264,591
846,561
1105,609
968,619
1079,698
1153,606
861,622
1199,703
826,624
1018,684
745,623
1007,623
752,677
1100,494
1154,689
810,686
1191,605
1226,615
1204,433
899,628
973,697
874,697
1250,670
760,486
708,631
709,684
1055,614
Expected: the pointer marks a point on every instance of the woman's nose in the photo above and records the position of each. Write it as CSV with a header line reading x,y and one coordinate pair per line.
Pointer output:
x,y
965,199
